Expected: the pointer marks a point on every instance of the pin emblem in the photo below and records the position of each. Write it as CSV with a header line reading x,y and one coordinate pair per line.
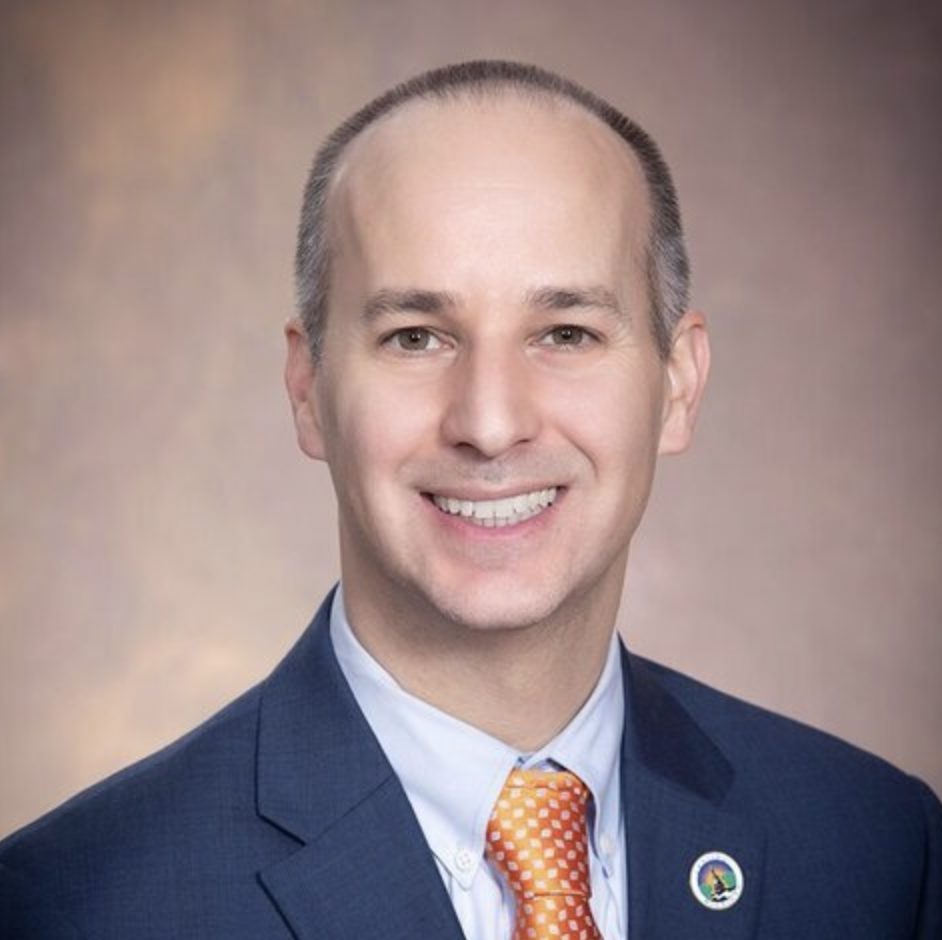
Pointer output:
x,y
716,881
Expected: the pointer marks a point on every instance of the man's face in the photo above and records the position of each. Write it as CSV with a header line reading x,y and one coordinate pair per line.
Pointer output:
x,y
490,400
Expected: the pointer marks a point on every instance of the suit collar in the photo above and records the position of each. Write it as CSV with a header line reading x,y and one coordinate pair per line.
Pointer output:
x,y
664,738
362,868
678,790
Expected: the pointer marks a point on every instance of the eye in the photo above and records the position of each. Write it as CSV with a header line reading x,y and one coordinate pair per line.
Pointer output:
x,y
567,335
415,339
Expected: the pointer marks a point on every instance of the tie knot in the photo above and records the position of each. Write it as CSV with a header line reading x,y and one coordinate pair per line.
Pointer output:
x,y
536,836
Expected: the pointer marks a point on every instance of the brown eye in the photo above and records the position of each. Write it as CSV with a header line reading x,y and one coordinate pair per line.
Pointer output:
x,y
568,336
415,339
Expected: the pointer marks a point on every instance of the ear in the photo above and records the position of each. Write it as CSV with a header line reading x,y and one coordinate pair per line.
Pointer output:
x,y
300,374
687,368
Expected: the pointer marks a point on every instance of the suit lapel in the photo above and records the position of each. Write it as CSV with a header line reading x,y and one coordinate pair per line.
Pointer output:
x,y
363,868
677,792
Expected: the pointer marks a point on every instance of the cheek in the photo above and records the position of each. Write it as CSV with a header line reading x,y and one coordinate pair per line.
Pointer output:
x,y
376,427
615,420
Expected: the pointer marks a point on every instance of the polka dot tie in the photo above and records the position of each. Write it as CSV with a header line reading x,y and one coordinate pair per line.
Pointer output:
x,y
536,838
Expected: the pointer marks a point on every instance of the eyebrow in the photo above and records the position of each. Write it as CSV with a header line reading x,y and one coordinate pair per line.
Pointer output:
x,y
569,298
388,301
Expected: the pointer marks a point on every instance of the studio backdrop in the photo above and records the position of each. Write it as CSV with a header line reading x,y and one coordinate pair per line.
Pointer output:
x,y
163,541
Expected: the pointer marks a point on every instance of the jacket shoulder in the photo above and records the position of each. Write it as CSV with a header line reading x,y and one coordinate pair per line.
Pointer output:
x,y
217,743
771,749
191,801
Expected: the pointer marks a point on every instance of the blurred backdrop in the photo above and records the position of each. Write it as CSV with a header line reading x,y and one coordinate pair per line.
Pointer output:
x,y
163,541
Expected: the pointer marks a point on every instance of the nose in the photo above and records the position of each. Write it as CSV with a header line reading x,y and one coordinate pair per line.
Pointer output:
x,y
493,402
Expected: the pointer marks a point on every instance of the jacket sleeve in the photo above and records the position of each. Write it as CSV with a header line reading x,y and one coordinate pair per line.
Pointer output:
x,y
929,920
26,913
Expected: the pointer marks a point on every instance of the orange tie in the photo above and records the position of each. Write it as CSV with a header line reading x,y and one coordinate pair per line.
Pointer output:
x,y
536,838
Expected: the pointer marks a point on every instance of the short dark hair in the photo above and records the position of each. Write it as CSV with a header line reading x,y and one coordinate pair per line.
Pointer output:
x,y
667,265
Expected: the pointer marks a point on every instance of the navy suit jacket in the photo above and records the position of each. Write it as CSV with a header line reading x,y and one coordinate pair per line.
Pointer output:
x,y
281,817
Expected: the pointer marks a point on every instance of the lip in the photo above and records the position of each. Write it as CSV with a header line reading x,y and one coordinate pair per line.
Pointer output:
x,y
460,526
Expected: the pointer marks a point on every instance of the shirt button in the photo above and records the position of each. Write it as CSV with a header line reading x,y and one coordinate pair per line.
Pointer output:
x,y
607,844
464,860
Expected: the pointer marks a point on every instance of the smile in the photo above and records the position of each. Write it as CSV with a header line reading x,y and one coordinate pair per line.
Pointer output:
x,y
494,513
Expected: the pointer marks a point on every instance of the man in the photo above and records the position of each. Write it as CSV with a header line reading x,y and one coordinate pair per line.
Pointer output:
x,y
494,347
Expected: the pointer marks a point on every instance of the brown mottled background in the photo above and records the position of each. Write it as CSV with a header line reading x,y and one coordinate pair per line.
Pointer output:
x,y
161,539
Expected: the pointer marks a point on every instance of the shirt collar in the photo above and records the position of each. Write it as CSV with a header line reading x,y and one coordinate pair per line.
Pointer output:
x,y
468,767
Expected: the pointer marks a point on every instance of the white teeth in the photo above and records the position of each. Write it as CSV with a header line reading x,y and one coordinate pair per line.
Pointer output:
x,y
495,513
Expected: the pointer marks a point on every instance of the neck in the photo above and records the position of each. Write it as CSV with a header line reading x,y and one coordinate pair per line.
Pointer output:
x,y
521,685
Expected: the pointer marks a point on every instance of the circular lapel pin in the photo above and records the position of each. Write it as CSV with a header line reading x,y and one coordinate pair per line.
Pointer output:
x,y
716,880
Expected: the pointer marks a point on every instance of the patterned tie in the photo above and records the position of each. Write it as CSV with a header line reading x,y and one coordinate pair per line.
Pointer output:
x,y
536,838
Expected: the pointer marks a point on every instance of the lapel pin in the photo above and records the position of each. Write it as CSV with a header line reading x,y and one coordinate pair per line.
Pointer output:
x,y
716,880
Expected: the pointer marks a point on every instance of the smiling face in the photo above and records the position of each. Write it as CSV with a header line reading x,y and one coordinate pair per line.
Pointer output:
x,y
490,400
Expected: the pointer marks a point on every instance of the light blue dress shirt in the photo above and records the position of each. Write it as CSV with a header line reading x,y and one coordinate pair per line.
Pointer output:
x,y
452,774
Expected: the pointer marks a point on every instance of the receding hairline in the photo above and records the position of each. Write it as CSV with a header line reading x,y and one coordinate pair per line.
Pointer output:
x,y
348,170
493,94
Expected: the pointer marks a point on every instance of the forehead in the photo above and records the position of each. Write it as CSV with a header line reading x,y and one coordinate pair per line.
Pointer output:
x,y
500,166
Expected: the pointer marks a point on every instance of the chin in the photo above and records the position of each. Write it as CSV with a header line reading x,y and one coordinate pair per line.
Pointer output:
x,y
479,612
